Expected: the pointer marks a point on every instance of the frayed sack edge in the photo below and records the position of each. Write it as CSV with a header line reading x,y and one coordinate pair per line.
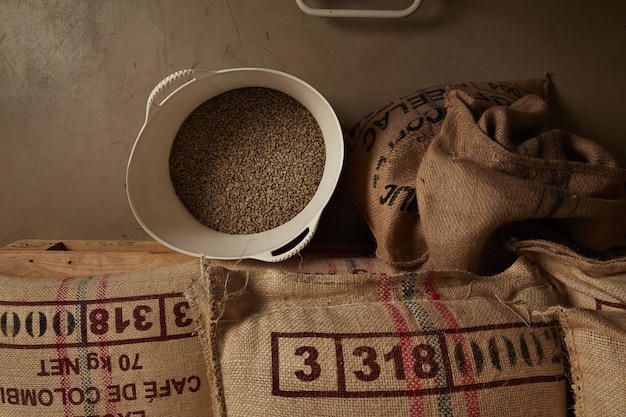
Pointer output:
x,y
201,296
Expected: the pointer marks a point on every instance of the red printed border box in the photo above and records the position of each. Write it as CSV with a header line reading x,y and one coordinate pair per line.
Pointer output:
x,y
312,364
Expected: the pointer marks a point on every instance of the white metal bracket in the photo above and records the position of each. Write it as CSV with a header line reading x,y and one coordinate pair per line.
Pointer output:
x,y
391,14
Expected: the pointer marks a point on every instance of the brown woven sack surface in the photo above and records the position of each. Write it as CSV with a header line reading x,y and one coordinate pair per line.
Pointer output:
x,y
383,154
287,343
593,321
582,281
311,264
495,173
106,345
595,342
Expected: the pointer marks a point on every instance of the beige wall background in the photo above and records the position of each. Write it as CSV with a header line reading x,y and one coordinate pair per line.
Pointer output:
x,y
75,76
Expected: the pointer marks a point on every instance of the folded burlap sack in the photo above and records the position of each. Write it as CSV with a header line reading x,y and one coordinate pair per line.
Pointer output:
x,y
584,282
384,151
494,173
593,321
106,345
418,344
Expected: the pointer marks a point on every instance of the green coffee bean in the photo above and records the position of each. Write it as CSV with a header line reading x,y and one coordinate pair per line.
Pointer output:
x,y
247,160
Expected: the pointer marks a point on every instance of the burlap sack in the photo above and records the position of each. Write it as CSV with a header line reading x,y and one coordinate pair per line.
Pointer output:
x,y
593,320
108,346
595,343
383,153
583,282
314,264
416,344
493,173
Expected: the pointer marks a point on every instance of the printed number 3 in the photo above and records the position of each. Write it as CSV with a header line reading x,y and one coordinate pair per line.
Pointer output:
x,y
311,361
369,361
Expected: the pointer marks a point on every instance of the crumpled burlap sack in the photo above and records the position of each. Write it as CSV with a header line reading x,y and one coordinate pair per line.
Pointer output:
x,y
493,173
281,343
384,151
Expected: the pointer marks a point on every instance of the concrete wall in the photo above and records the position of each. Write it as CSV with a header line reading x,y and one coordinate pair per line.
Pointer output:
x,y
75,76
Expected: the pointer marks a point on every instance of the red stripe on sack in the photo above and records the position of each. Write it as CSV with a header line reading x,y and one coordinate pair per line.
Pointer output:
x,y
412,381
107,375
369,265
331,267
471,397
60,341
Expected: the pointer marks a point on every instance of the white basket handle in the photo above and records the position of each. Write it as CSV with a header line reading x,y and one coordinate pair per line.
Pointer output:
x,y
171,83
393,14
291,248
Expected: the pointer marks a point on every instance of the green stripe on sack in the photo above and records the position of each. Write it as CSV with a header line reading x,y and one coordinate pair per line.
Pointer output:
x,y
423,319
82,349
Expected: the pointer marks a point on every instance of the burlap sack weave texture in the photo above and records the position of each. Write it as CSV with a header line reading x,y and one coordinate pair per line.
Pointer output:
x,y
383,154
592,293
595,343
494,173
311,264
106,345
417,344
584,282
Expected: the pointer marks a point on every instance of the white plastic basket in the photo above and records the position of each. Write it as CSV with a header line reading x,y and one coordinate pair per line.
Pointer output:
x,y
151,194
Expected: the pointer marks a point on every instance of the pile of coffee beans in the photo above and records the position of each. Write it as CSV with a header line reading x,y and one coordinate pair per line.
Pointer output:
x,y
247,160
